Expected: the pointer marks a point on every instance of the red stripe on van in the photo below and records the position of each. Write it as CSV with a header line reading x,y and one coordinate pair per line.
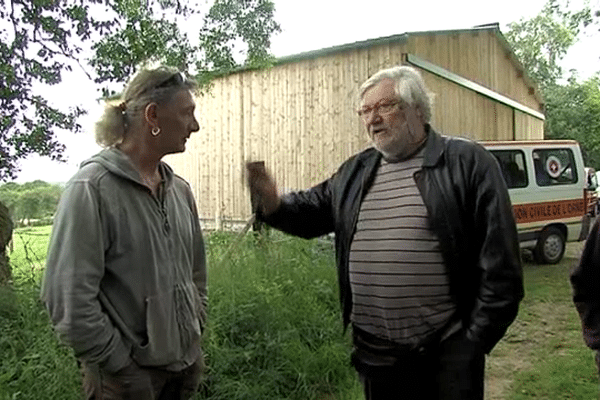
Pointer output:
x,y
548,210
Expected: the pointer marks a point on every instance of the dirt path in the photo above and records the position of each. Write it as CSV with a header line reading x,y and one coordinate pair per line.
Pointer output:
x,y
508,356
513,352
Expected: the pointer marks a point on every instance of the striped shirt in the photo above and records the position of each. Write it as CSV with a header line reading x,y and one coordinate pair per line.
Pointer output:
x,y
400,286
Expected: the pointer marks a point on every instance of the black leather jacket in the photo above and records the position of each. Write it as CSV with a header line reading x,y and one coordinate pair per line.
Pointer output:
x,y
585,278
470,211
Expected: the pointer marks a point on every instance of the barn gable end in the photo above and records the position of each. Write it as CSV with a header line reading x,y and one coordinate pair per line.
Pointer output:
x,y
299,116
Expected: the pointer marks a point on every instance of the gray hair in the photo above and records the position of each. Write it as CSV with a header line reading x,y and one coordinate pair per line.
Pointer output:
x,y
147,86
409,85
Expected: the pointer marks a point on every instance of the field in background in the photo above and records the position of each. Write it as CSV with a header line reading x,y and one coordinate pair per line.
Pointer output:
x,y
275,331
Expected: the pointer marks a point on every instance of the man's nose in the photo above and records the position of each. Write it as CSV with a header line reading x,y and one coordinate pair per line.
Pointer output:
x,y
373,116
195,126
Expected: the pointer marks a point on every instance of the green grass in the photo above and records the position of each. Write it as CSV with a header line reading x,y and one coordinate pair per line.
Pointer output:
x,y
32,364
543,355
29,253
274,328
275,332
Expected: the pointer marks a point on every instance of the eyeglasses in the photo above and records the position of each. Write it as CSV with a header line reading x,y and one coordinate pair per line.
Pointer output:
x,y
380,108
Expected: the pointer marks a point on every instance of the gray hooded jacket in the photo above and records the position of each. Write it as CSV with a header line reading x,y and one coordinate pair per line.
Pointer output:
x,y
126,271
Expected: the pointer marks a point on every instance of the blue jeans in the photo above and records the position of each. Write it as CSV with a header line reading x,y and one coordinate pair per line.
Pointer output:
x,y
450,370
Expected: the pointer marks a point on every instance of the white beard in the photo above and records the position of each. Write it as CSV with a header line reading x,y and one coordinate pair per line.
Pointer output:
x,y
398,149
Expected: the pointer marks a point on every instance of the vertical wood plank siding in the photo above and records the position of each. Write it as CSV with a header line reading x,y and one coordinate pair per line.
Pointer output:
x,y
299,117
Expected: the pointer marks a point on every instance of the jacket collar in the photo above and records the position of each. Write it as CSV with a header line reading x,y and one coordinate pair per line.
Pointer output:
x,y
434,147
119,164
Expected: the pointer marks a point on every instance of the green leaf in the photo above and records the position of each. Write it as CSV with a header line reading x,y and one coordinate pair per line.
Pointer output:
x,y
43,39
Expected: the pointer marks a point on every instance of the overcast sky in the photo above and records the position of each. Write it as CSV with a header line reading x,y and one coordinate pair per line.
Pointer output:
x,y
315,24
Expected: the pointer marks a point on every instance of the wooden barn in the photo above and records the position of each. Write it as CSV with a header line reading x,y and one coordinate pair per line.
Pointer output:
x,y
299,116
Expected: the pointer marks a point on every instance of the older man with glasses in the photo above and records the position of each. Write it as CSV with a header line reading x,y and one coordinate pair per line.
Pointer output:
x,y
426,244
125,279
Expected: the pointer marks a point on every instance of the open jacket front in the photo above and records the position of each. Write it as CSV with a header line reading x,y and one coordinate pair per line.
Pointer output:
x,y
469,210
126,271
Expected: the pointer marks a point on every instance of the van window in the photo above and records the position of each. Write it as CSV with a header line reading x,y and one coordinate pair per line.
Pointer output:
x,y
512,164
554,167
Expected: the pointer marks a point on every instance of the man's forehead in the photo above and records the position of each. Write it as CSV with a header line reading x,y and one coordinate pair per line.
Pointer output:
x,y
383,90
184,98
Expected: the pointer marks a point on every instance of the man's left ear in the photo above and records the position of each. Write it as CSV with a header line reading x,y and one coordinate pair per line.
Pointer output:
x,y
150,113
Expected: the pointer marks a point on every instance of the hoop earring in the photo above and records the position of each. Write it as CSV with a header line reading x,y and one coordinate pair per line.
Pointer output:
x,y
155,131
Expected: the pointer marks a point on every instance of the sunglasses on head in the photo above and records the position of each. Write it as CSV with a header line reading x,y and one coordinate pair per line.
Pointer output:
x,y
174,80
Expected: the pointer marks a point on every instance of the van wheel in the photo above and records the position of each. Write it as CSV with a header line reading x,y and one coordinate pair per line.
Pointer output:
x,y
550,246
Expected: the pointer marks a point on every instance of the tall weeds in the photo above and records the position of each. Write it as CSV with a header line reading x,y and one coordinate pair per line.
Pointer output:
x,y
32,364
274,328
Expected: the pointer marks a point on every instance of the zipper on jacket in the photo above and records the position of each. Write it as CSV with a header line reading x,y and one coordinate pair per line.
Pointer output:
x,y
163,211
160,198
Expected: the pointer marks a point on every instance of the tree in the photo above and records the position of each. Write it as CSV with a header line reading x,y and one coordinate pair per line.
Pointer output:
x,y
572,107
41,40
573,112
541,42
5,237
229,21
30,201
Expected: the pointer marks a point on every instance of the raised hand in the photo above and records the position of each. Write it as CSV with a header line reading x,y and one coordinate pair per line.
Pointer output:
x,y
263,189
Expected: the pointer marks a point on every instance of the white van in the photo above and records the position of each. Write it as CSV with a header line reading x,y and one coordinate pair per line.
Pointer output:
x,y
547,185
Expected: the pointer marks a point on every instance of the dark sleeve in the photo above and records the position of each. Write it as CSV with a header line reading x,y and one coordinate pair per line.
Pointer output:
x,y
500,285
307,214
585,280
